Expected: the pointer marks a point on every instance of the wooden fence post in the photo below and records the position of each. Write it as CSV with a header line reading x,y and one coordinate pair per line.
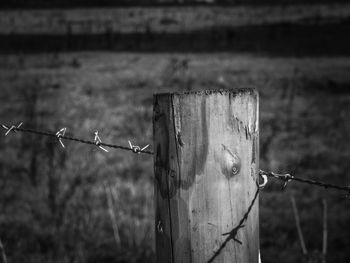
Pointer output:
x,y
206,170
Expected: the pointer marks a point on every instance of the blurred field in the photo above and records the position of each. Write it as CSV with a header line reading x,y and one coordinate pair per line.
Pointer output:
x,y
293,30
164,19
53,201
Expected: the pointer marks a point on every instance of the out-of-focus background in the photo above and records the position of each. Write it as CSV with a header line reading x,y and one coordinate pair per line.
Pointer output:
x,y
95,65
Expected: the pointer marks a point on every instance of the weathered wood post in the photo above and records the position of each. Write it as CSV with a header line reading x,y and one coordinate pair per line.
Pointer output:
x,y
206,169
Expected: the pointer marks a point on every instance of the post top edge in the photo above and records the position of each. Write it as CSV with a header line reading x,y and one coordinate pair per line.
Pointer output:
x,y
208,92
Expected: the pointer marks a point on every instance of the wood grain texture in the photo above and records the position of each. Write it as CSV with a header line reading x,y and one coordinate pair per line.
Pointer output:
x,y
206,168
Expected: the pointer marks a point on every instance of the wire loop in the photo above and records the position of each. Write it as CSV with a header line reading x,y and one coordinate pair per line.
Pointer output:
x,y
287,178
262,186
160,227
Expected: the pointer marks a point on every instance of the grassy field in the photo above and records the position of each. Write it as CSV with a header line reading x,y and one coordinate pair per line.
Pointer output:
x,y
54,202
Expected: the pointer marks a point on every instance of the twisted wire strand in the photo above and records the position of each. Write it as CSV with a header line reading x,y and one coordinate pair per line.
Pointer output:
x,y
64,137
283,177
232,235
288,177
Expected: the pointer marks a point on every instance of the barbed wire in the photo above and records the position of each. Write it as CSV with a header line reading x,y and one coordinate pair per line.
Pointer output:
x,y
232,235
286,178
60,135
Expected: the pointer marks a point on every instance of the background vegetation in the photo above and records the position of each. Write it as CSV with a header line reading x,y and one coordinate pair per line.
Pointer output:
x,y
60,205
111,3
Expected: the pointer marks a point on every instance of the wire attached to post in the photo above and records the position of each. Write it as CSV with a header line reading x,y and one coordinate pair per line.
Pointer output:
x,y
287,178
60,135
262,186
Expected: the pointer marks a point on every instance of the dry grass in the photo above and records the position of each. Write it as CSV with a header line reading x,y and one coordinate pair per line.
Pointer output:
x,y
304,105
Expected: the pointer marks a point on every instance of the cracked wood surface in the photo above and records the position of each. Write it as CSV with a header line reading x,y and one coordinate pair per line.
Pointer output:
x,y
206,167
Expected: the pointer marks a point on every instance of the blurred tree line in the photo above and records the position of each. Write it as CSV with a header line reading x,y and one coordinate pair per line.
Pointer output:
x,y
97,3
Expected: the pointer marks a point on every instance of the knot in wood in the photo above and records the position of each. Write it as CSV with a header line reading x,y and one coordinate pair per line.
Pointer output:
x,y
236,164
230,164
235,168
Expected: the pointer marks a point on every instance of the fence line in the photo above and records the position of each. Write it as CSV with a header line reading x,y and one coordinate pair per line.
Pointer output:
x,y
287,178
59,135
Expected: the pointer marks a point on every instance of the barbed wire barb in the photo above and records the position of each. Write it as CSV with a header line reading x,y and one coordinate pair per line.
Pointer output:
x,y
287,179
59,134
98,142
12,128
136,148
